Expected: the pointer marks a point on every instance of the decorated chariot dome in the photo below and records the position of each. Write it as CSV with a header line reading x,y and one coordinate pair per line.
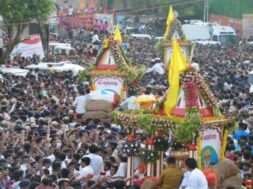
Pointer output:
x,y
112,69
194,92
174,31
187,115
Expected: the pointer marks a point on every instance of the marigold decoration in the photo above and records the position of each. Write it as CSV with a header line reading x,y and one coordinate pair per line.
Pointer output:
x,y
150,156
131,148
224,144
199,146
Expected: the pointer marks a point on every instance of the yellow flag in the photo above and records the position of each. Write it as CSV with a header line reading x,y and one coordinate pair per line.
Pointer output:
x,y
178,65
170,19
117,35
105,43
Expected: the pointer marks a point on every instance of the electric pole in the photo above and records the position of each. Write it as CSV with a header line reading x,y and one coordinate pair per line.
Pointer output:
x,y
206,11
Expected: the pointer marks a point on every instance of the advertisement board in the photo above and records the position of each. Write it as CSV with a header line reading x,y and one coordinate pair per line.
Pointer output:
x,y
104,22
28,47
114,84
83,20
211,146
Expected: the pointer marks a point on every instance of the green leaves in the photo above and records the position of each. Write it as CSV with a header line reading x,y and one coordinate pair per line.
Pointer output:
x,y
184,131
17,11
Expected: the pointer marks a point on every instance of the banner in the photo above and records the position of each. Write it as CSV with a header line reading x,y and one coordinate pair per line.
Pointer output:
x,y
28,47
103,22
114,84
211,146
89,20
83,20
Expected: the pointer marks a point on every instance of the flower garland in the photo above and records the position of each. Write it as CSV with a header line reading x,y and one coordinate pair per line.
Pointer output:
x,y
161,143
224,144
143,120
131,148
107,73
191,98
134,88
199,148
191,94
175,27
122,61
194,84
150,156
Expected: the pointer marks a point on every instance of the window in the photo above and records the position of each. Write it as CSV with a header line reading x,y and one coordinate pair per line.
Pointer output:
x,y
215,38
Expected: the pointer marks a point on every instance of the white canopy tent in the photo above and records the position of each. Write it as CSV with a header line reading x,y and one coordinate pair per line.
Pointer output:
x,y
58,67
14,71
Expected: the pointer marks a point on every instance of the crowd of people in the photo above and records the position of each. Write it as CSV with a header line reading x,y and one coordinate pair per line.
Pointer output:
x,y
44,144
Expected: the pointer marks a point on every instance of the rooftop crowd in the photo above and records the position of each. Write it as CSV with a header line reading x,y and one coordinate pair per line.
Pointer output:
x,y
44,144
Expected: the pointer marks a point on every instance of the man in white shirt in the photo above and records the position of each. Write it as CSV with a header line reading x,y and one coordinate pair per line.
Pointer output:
x,y
86,171
81,102
129,103
196,178
97,162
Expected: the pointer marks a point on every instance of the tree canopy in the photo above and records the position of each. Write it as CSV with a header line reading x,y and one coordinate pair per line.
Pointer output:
x,y
16,11
232,8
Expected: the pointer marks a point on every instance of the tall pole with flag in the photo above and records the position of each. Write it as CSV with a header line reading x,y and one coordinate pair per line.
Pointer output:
x,y
178,65
117,35
169,20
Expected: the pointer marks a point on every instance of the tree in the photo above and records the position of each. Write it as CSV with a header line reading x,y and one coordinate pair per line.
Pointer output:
x,y
18,13
232,8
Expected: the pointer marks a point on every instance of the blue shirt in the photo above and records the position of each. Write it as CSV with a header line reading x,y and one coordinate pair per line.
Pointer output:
x,y
239,133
